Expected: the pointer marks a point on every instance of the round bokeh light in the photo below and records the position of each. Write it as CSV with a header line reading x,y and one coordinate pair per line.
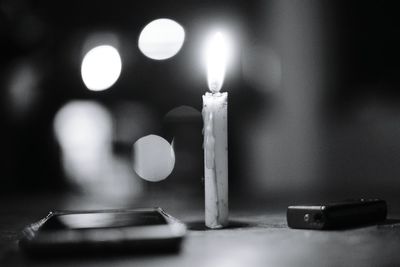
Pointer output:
x,y
101,67
153,158
161,39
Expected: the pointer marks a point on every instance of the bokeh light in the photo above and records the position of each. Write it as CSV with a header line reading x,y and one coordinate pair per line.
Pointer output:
x,y
101,67
84,132
182,113
23,91
83,126
153,158
161,39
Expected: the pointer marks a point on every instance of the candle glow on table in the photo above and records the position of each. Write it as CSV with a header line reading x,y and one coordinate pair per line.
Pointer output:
x,y
215,116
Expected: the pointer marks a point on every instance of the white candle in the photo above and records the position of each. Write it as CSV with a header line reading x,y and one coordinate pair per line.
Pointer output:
x,y
215,116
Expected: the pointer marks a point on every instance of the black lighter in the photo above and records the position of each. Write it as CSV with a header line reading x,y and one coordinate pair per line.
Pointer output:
x,y
337,215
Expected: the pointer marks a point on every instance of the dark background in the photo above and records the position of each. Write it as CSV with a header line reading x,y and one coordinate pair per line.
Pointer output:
x,y
313,93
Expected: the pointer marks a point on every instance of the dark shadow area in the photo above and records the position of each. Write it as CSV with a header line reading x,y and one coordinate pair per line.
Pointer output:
x,y
200,226
91,254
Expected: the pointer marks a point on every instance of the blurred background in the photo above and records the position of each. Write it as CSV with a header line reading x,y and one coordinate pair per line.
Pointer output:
x,y
314,103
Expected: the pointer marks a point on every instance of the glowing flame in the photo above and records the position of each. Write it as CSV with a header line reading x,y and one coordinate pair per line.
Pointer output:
x,y
216,58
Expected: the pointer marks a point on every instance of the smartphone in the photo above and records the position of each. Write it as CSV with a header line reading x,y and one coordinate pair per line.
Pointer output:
x,y
106,231
337,215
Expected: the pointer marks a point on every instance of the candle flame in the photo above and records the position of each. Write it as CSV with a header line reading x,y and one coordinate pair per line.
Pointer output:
x,y
216,58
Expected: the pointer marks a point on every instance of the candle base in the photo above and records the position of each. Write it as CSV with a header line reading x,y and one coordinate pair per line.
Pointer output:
x,y
216,227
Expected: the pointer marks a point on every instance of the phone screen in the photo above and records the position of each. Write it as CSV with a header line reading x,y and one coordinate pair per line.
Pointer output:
x,y
82,221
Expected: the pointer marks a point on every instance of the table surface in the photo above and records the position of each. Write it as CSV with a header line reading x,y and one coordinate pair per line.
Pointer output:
x,y
258,237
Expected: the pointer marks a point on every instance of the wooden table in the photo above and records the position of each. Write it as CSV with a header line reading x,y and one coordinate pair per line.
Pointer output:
x,y
258,237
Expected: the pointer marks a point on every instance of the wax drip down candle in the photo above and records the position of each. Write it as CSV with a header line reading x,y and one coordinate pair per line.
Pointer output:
x,y
215,117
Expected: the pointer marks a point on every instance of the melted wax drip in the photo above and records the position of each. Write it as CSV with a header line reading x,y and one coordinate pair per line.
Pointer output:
x,y
209,148
209,141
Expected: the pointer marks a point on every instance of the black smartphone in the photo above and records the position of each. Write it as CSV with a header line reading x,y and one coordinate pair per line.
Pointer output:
x,y
337,215
109,231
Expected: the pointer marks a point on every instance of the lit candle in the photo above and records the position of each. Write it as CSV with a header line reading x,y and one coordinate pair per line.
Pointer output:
x,y
215,116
